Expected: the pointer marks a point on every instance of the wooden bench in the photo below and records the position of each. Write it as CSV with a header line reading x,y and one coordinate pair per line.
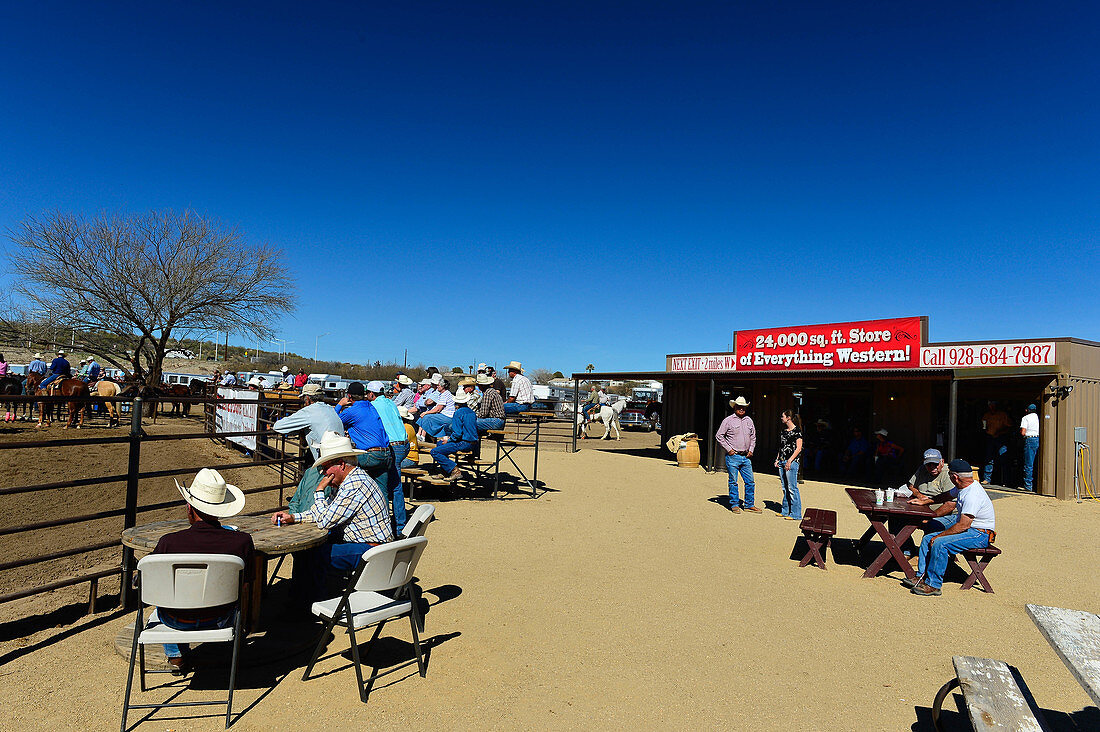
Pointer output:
x,y
994,700
818,526
979,559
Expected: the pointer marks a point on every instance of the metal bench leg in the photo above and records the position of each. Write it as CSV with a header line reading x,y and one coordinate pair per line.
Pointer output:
x,y
940,696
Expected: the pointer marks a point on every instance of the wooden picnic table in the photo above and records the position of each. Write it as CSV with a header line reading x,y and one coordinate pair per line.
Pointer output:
x,y
269,540
897,513
1075,637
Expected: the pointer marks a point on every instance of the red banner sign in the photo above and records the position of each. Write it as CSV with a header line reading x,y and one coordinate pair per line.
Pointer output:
x,y
869,344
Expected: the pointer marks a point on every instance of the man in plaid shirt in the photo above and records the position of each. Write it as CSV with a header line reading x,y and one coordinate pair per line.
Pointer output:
x,y
357,516
521,396
490,410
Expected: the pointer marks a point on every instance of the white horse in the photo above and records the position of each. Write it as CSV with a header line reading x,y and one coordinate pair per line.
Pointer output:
x,y
608,415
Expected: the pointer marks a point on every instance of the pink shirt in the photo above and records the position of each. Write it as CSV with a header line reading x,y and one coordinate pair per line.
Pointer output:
x,y
737,434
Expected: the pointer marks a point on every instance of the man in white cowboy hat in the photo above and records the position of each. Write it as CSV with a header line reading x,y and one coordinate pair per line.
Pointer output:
x,y
209,498
469,385
520,396
399,447
60,368
403,395
490,410
357,517
230,379
288,378
461,435
315,418
37,365
737,436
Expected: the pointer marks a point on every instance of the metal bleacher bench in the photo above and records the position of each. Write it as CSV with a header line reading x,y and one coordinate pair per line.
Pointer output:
x,y
994,700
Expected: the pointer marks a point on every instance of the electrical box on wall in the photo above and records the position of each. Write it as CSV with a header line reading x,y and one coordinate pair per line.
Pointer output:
x,y
1079,435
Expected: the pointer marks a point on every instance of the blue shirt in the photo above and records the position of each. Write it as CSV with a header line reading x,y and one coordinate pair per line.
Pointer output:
x,y
391,419
93,370
61,367
364,426
463,427
37,366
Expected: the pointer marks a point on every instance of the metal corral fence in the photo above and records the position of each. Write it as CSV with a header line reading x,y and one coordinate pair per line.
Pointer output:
x,y
272,451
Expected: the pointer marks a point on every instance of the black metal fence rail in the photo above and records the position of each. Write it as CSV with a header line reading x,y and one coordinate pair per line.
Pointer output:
x,y
271,452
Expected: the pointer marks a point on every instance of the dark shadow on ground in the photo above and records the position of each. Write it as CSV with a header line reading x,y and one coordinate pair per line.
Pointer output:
x,y
654,453
73,616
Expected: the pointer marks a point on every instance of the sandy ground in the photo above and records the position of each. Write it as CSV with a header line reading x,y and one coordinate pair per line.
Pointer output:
x,y
626,597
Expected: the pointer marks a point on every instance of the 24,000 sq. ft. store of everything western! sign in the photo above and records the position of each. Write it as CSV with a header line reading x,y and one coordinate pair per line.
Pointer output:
x,y
868,344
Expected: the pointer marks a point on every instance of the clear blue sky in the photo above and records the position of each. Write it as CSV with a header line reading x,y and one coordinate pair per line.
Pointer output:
x,y
595,182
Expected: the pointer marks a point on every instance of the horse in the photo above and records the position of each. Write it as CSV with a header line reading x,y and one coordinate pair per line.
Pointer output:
x,y
11,385
108,388
175,390
74,388
608,415
30,389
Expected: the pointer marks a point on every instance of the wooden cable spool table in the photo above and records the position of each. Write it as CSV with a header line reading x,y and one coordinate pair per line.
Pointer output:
x,y
269,540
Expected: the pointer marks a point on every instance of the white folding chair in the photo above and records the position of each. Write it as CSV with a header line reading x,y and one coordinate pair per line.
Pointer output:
x,y
384,567
418,522
185,582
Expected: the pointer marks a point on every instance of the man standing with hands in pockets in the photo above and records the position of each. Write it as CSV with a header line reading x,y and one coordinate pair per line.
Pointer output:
x,y
737,436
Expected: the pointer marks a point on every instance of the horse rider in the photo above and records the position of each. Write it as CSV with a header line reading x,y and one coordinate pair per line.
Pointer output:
x,y
59,368
593,401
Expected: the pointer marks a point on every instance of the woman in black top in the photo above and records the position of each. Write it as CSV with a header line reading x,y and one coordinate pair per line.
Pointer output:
x,y
790,450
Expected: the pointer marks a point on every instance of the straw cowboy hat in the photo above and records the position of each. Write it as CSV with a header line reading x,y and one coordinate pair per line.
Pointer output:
x,y
514,366
38,355
467,382
425,382
210,494
484,379
739,402
333,446
311,390
405,414
462,397
405,380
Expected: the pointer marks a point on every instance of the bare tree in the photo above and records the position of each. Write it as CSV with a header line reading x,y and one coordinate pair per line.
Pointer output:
x,y
542,376
130,283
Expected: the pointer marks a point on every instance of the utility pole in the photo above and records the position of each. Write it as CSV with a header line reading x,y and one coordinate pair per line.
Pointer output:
x,y
317,342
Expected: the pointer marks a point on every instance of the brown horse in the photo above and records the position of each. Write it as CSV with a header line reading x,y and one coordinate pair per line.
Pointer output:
x,y
31,388
108,388
74,388
168,391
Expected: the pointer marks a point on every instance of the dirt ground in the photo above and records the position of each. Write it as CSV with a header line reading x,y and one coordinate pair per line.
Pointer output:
x,y
628,597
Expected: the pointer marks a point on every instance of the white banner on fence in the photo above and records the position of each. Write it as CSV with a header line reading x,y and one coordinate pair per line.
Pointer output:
x,y
237,417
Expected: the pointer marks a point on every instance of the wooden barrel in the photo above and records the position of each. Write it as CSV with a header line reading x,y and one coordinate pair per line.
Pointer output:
x,y
687,456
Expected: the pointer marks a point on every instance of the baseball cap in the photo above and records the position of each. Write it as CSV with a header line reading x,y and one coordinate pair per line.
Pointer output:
x,y
355,388
376,386
932,455
959,467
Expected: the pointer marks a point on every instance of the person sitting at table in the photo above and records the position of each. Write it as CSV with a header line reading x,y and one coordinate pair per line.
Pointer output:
x,y
209,498
461,435
357,516
887,455
968,521
929,481
853,461
490,410
520,395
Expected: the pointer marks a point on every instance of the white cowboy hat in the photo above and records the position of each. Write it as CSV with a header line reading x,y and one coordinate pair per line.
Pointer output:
x,y
882,431
405,414
254,381
284,369
332,446
739,402
60,353
437,378
484,379
210,494
462,397
514,366
405,380
38,355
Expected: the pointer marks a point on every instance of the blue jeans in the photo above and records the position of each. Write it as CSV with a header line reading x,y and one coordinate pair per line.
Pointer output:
x,y
1031,449
434,424
995,449
792,502
740,464
933,562
173,650
344,556
49,380
394,489
408,463
377,464
489,423
442,453
513,408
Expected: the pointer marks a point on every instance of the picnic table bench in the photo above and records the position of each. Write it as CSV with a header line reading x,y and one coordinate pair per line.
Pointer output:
x,y
818,526
1075,637
994,701
979,559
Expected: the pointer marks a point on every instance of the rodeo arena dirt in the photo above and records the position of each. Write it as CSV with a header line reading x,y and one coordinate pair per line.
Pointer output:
x,y
566,584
